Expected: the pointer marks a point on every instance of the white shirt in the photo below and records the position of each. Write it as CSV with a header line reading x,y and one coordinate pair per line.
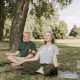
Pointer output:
x,y
47,52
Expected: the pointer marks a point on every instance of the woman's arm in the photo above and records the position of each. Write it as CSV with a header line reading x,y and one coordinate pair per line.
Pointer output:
x,y
31,54
12,54
55,61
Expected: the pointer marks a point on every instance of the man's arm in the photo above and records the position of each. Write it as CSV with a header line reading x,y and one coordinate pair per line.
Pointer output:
x,y
13,54
16,53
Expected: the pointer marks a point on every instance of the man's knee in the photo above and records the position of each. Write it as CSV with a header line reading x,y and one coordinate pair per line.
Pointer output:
x,y
9,57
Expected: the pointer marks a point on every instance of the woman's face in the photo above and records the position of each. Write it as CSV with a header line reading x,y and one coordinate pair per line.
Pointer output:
x,y
47,37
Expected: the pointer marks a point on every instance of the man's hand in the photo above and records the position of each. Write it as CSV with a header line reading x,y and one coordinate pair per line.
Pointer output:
x,y
18,62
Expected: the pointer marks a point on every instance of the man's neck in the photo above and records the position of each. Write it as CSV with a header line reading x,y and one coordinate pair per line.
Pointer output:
x,y
26,41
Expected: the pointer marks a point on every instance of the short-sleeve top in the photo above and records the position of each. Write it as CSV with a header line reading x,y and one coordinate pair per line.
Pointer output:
x,y
24,48
47,52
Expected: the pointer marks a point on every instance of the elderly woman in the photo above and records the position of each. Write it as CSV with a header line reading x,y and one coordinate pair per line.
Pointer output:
x,y
47,56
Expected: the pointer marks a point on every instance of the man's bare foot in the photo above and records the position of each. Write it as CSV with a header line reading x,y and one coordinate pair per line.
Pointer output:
x,y
13,65
16,66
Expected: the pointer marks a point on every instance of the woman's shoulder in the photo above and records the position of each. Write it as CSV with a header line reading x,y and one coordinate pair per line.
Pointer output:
x,y
42,46
54,46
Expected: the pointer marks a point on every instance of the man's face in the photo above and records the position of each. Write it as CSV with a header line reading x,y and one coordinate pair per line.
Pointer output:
x,y
26,37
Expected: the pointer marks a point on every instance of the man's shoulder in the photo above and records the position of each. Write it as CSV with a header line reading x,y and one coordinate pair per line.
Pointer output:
x,y
31,42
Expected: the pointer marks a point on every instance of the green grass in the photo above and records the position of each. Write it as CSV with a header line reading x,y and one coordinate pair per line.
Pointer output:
x,y
68,58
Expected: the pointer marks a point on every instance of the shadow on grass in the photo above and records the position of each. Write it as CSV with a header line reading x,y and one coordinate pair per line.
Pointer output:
x,y
18,72
4,41
5,49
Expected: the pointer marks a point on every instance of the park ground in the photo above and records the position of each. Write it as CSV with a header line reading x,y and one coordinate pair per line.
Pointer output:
x,y
69,54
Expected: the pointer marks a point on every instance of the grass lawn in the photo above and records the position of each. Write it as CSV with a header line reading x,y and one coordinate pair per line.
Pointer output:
x,y
68,58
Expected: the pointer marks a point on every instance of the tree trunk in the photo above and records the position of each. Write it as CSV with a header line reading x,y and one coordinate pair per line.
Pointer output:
x,y
18,23
2,18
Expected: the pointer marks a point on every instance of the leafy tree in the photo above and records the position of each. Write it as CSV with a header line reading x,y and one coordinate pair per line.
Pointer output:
x,y
79,31
74,31
60,30
9,8
44,17
18,22
19,19
63,29
37,33
2,18
6,10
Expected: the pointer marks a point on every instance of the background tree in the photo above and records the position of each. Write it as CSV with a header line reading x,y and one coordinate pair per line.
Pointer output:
x,y
60,30
19,19
37,33
79,32
6,11
18,22
2,18
74,31
39,10
9,8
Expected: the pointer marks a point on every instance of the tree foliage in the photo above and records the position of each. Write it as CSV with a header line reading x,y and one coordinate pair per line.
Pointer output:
x,y
10,8
42,8
46,9
60,30
2,18
37,33
19,10
64,3
75,31
6,10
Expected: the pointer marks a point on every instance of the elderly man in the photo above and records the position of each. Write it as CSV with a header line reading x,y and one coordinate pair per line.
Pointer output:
x,y
26,50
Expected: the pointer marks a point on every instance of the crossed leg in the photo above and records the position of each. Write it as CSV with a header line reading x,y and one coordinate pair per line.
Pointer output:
x,y
12,59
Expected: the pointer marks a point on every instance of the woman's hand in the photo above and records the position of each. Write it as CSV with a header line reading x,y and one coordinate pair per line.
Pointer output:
x,y
55,62
56,65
